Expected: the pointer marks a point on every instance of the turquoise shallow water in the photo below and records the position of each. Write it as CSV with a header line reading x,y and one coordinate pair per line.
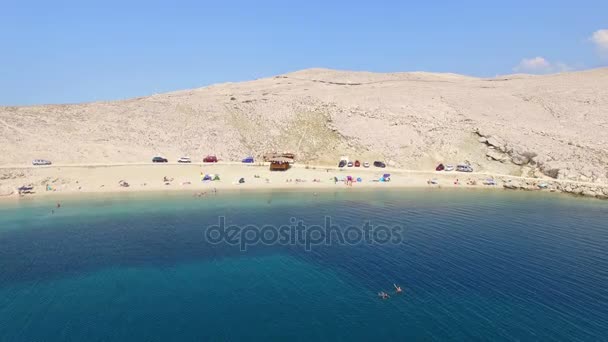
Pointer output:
x,y
474,266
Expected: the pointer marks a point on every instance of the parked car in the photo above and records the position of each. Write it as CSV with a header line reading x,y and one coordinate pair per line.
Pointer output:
x,y
366,164
159,160
357,163
464,168
350,164
248,160
342,163
184,160
210,159
449,167
41,162
440,167
379,164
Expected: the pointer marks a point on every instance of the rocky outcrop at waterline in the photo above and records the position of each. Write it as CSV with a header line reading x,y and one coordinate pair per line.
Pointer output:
x,y
534,165
573,188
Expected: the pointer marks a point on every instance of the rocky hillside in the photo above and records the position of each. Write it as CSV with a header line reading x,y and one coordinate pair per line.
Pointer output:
x,y
555,125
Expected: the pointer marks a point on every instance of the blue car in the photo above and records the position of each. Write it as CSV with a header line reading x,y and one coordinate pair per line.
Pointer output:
x,y
248,160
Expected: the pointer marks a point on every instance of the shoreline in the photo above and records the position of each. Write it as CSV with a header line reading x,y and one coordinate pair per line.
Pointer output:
x,y
93,179
152,195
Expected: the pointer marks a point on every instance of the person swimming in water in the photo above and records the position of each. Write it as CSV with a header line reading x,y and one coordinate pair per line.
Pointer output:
x,y
383,295
397,288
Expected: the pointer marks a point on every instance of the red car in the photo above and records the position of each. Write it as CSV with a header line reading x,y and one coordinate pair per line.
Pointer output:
x,y
357,164
210,159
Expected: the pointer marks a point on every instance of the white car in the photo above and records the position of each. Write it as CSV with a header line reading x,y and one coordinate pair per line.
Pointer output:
x,y
464,168
449,168
184,160
366,164
41,162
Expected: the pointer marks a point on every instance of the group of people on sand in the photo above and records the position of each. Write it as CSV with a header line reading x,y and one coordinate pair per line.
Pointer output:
x,y
469,182
297,180
384,295
434,181
348,181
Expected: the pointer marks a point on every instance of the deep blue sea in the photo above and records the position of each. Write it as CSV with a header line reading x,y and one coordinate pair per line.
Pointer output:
x,y
474,265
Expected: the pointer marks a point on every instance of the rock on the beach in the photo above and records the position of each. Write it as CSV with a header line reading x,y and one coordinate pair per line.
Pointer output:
x,y
513,185
550,172
519,159
495,155
589,193
497,142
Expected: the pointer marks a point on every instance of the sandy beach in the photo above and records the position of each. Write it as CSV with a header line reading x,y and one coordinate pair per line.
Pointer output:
x,y
526,132
97,179
520,125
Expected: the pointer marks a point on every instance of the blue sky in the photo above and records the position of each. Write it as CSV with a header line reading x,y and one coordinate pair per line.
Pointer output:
x,y
77,51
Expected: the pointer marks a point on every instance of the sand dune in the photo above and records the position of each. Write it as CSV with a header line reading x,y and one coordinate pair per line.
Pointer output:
x,y
520,125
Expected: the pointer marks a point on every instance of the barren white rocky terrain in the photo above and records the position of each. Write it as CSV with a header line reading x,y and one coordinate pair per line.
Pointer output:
x,y
522,125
